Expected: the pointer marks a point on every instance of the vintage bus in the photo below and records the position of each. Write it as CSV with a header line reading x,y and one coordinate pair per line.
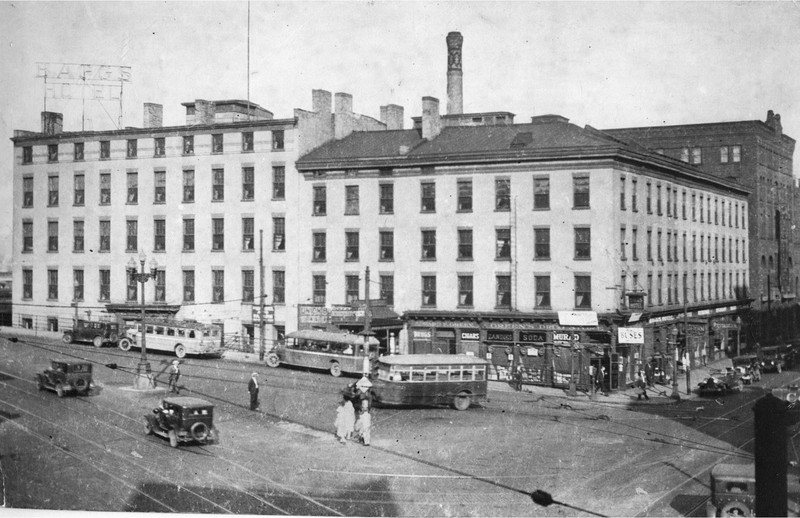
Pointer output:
x,y
430,379
335,352
180,337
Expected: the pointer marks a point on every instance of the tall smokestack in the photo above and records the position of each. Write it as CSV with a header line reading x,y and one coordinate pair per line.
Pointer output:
x,y
455,93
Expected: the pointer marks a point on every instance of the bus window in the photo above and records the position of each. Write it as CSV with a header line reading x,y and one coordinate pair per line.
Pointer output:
x,y
181,332
444,372
480,373
170,331
466,374
191,333
455,374
430,374
417,375
149,330
159,330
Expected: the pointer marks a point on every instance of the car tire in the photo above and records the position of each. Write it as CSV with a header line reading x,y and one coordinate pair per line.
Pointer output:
x,y
60,390
173,438
97,341
180,351
735,508
462,401
273,360
148,427
125,344
336,369
81,385
113,337
67,337
199,431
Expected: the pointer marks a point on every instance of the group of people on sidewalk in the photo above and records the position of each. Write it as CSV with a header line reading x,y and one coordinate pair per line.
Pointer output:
x,y
350,426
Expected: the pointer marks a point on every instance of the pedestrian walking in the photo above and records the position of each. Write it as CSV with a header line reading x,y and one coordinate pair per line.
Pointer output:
x,y
364,388
345,420
648,373
252,388
174,376
641,387
364,424
600,379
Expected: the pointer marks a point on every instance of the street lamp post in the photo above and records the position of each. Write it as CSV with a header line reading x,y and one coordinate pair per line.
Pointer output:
x,y
738,335
144,376
675,357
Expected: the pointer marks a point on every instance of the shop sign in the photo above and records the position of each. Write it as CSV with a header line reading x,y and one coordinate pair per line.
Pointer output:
x,y
566,337
659,320
630,335
532,336
308,315
342,313
269,315
577,318
499,336
421,334
532,351
445,333
723,324
470,335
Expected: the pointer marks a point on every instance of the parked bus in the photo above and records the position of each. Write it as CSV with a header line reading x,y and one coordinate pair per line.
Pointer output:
x,y
181,337
430,379
335,352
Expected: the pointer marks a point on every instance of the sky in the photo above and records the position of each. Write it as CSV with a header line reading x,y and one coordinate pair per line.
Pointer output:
x,y
605,64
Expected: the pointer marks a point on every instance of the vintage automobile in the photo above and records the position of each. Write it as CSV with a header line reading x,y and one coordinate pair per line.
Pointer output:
x,y
744,366
66,376
772,359
720,382
183,419
99,333
733,491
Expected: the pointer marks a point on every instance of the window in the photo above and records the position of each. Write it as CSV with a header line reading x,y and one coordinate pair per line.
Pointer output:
x,y
583,291
658,246
278,234
27,155
159,145
248,234
634,243
541,238
188,285
387,289
685,154
622,193
351,288
159,234
622,242
248,189
319,288
216,143
351,199
503,291
387,245
649,198
247,141
697,155
669,205
542,287
319,244
583,243
133,188
131,148
387,198
429,290
105,285
132,227
277,139
27,191
428,245
634,201
320,200
160,189
78,151
160,282
52,191
428,197
77,235
248,285
218,234
465,290
218,286
723,154
218,184
502,194
502,248
27,284
465,244
580,186
105,149
52,236
736,154
188,185
278,182
658,200
464,195
52,284
351,246
131,289
27,236
78,189
105,188
105,235
188,145
52,152
188,234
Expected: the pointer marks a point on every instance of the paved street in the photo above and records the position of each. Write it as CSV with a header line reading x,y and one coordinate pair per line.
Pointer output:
x,y
612,456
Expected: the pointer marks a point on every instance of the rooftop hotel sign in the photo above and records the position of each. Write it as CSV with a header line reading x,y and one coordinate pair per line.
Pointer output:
x,y
83,81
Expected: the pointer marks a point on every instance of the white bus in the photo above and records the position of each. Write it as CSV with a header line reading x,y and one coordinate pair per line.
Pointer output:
x,y
181,337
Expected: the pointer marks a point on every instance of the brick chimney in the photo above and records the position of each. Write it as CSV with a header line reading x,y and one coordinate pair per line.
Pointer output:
x,y
774,122
343,102
52,123
431,122
321,101
153,115
204,111
455,94
392,116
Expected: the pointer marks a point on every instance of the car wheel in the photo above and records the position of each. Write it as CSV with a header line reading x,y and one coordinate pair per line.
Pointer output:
x,y
734,509
125,344
199,431
273,360
173,438
336,369
39,382
148,427
180,351
97,341
67,338
60,390
462,401
113,337
81,385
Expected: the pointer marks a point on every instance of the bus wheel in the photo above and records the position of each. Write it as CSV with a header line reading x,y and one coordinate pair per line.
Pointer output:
x,y
180,351
734,509
336,369
124,344
97,341
462,401
273,360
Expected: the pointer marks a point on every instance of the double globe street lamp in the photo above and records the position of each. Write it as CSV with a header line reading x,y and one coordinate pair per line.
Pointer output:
x,y
144,375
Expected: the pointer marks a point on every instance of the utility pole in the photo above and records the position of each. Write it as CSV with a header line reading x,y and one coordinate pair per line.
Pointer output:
x,y
367,325
261,295
689,349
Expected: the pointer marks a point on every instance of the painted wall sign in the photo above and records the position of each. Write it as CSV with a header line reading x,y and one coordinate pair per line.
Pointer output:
x,y
421,334
532,336
470,335
566,337
499,336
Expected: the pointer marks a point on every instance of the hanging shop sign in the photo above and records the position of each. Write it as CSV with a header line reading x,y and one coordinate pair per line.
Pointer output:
x,y
577,318
565,338
533,336
493,335
421,334
470,335
630,335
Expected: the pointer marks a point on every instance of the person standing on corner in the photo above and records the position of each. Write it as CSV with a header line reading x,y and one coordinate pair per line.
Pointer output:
x,y
364,423
174,376
641,387
252,388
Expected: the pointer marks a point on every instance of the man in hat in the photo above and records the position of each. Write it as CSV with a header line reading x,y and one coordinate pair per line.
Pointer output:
x,y
364,386
252,388
174,375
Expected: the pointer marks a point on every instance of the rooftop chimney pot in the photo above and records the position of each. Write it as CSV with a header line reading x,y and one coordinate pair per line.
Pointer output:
x,y
153,115
52,123
431,121
455,94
